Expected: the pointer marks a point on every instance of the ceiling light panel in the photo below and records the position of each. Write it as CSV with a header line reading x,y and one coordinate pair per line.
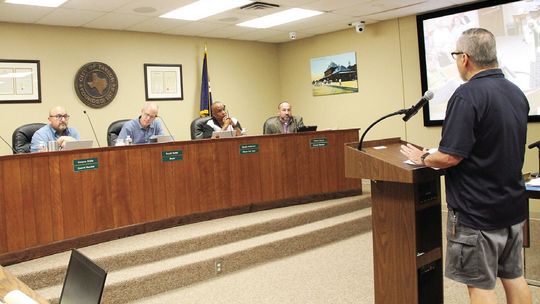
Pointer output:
x,y
283,17
204,8
47,3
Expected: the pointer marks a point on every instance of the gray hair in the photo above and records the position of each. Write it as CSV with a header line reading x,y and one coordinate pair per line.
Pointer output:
x,y
479,44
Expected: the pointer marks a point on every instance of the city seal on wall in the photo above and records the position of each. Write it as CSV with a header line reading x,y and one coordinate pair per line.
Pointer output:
x,y
96,84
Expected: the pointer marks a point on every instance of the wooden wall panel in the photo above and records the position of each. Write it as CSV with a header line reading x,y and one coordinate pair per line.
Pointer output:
x,y
120,192
3,224
56,197
44,201
14,206
28,205
41,196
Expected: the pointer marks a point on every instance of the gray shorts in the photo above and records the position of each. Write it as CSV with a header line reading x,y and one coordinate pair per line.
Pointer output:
x,y
477,257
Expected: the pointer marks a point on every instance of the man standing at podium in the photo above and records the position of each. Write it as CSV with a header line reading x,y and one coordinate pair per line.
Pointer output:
x,y
482,149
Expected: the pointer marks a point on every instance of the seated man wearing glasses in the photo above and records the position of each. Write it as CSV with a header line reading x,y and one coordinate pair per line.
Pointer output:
x,y
142,128
57,130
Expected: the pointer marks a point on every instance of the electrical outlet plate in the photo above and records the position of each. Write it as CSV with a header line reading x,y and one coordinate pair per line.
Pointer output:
x,y
219,266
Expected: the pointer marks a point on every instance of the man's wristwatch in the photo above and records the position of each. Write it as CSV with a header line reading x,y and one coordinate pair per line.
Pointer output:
x,y
423,157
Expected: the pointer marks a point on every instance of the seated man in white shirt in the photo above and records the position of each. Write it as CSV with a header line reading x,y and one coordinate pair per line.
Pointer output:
x,y
221,121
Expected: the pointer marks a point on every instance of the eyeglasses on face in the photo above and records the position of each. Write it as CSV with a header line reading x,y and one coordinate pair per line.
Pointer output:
x,y
455,54
59,117
146,115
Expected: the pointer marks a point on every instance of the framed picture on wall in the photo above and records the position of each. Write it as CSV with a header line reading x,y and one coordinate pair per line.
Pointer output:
x,y
335,74
19,81
163,81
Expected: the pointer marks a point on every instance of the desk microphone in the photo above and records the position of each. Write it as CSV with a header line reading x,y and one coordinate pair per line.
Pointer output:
x,y
414,109
92,126
170,134
14,152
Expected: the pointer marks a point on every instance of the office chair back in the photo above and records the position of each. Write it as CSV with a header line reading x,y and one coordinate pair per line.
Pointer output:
x,y
22,137
84,281
113,131
266,123
199,128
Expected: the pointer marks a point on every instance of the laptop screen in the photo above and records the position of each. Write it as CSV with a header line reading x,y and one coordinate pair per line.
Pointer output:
x,y
78,144
307,128
84,281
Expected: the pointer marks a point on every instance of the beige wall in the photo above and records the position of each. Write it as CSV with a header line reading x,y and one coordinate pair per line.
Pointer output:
x,y
244,75
388,79
251,77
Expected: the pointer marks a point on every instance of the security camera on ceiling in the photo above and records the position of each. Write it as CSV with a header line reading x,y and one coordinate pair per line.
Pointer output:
x,y
359,26
292,35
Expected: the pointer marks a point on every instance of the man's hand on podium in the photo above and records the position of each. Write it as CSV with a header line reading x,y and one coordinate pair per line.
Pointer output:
x,y
415,155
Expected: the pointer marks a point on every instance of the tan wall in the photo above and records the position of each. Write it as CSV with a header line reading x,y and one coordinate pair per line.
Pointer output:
x,y
388,79
251,77
243,75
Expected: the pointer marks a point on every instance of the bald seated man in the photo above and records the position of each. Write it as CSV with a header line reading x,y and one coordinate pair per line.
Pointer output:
x,y
142,128
284,122
221,121
56,130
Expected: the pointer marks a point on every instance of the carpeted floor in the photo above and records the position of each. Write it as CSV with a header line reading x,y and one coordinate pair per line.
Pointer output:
x,y
339,273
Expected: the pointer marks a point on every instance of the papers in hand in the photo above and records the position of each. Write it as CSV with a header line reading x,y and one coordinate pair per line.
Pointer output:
x,y
535,182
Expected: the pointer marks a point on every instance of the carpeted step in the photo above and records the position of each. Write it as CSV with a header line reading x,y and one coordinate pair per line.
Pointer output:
x,y
164,275
184,241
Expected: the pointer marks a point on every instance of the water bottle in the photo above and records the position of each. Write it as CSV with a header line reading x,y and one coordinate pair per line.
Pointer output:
x,y
128,140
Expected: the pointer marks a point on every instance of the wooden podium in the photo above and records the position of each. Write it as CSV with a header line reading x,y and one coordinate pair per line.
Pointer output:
x,y
406,219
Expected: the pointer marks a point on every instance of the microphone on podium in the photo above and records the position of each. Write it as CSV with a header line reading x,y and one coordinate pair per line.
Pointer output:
x,y
92,126
408,114
420,104
14,152
170,134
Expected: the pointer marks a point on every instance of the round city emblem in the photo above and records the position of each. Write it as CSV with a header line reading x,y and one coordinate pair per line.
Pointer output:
x,y
96,84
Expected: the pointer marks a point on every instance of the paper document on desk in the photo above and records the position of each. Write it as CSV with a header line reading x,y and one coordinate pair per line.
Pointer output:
x,y
535,182
431,151
18,297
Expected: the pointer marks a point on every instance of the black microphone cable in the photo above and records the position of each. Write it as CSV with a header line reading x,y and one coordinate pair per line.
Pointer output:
x,y
92,126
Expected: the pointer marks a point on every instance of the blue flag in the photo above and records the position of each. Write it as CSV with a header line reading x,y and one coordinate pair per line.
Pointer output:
x,y
206,92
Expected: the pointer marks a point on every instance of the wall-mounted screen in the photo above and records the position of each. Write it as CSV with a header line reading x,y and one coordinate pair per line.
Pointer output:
x,y
516,26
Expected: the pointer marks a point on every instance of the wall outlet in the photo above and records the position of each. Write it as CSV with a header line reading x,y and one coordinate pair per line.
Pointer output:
x,y
219,266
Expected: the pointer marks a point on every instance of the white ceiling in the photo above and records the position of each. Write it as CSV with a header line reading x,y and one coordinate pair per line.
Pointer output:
x,y
123,15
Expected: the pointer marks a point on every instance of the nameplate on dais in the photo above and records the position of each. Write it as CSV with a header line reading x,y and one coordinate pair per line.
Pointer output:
x,y
85,164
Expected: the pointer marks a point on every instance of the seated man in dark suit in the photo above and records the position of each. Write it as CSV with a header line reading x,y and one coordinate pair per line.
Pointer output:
x,y
285,122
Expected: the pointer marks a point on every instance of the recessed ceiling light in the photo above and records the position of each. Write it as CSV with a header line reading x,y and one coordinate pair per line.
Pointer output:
x,y
283,17
144,9
203,8
47,3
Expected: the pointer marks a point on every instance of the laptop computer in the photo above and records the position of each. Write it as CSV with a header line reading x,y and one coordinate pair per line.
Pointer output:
x,y
161,138
84,281
78,144
307,128
223,134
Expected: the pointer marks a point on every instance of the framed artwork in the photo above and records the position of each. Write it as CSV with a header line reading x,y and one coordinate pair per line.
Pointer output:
x,y
19,81
336,74
163,82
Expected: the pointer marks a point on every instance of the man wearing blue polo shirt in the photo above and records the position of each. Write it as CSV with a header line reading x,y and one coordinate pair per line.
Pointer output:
x,y
142,128
57,130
